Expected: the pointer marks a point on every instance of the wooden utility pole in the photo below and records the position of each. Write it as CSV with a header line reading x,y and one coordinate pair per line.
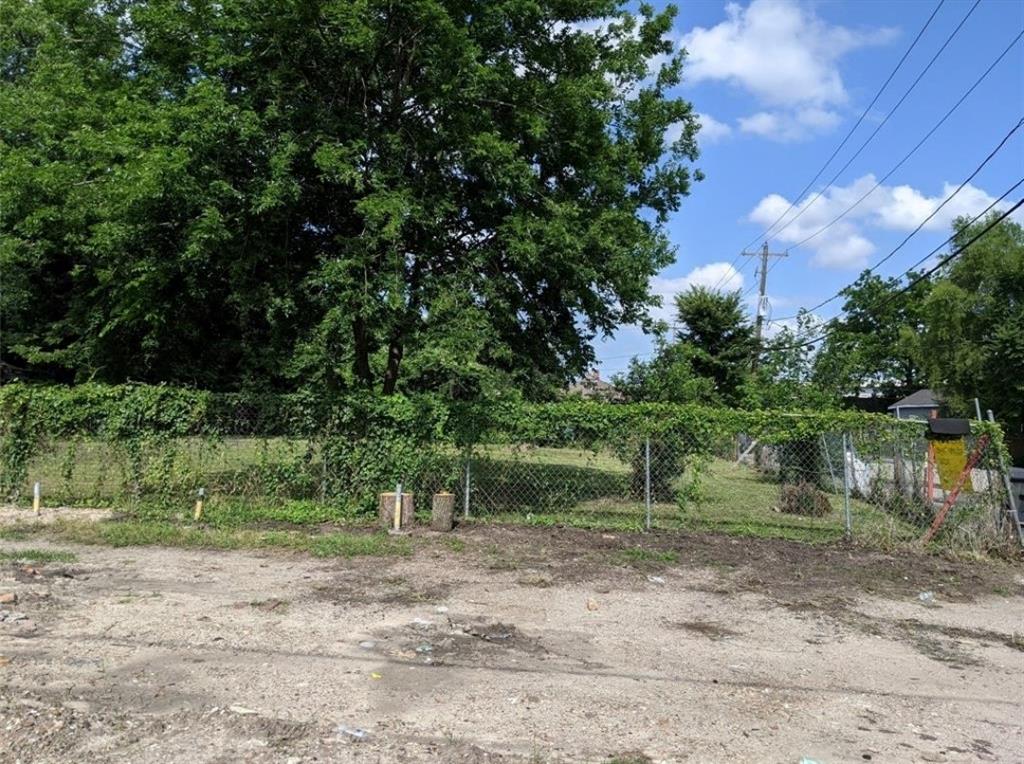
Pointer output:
x,y
762,299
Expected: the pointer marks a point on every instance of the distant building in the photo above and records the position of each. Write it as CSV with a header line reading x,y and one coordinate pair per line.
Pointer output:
x,y
920,405
594,388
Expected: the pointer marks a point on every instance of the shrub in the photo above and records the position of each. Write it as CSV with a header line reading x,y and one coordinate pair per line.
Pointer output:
x,y
805,499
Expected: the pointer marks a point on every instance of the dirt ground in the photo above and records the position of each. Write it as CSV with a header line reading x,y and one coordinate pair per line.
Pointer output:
x,y
511,645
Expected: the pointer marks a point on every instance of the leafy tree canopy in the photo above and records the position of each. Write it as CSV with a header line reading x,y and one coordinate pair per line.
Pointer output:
x,y
973,343
707,360
875,343
433,194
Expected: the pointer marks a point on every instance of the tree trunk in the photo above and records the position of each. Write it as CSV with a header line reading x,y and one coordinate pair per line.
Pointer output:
x,y
395,353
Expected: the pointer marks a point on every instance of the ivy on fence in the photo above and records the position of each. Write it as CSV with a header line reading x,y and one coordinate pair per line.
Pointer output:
x,y
161,441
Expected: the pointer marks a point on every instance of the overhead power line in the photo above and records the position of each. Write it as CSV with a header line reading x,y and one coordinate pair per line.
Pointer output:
x,y
919,278
853,129
937,209
973,220
874,132
914,150
878,184
913,282
899,64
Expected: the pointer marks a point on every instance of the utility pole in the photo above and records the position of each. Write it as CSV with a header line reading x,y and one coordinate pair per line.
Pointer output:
x,y
762,299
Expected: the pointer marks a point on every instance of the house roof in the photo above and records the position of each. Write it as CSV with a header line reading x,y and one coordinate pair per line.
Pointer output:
x,y
921,399
592,386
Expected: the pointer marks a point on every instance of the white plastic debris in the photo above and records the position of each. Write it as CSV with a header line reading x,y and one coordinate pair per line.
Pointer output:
x,y
354,734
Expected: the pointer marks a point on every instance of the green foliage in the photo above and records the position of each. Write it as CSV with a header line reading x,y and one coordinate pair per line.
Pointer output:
x,y
425,195
707,361
973,344
805,499
785,376
37,555
875,343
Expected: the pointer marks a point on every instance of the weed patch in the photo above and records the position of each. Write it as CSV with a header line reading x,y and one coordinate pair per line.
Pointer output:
x,y
37,555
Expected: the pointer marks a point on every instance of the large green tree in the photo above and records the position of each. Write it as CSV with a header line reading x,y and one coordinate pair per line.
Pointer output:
x,y
390,195
874,344
706,359
973,343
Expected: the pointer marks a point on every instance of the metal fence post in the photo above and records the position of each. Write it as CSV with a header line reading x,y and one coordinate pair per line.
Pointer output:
x,y
465,495
846,484
647,482
1014,509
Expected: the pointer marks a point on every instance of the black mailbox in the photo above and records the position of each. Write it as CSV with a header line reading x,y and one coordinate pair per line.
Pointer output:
x,y
949,428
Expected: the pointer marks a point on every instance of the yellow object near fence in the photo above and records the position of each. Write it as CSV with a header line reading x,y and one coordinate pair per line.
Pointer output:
x,y
950,459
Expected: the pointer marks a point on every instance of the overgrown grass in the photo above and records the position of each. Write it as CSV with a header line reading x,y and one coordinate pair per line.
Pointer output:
x,y
640,557
122,533
37,555
226,512
736,500
730,498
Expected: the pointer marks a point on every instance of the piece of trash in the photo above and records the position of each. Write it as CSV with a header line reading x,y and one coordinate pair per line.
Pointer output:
x,y
375,675
441,609
241,710
927,599
367,645
656,579
592,604
426,647
806,760
421,622
352,733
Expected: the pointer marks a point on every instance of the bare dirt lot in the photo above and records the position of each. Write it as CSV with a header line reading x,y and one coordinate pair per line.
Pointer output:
x,y
511,645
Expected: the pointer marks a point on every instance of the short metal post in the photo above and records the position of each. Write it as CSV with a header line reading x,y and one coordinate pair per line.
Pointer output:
x,y
977,409
647,481
1014,509
37,497
465,495
846,484
397,525
197,514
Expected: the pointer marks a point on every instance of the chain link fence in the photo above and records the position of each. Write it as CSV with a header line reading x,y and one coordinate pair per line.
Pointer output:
x,y
884,485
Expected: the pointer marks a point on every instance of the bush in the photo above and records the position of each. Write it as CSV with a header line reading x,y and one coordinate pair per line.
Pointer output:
x,y
805,499
668,460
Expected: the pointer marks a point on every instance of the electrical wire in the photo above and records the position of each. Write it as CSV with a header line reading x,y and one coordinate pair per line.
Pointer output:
x,y
871,269
875,132
920,277
913,151
853,129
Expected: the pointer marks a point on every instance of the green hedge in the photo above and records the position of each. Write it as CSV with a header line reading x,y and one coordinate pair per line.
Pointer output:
x,y
358,444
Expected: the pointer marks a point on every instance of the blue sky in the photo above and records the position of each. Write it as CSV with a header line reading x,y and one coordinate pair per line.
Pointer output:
x,y
779,83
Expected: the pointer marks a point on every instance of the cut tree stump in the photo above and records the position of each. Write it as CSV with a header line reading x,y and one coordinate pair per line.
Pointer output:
x,y
443,512
386,510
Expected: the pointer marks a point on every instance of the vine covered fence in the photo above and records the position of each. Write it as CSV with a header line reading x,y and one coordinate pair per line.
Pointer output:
x,y
147,452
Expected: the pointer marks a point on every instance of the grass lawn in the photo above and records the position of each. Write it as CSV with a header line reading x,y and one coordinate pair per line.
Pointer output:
x,y
247,503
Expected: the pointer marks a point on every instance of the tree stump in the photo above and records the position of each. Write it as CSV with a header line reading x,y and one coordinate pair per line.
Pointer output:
x,y
443,512
386,510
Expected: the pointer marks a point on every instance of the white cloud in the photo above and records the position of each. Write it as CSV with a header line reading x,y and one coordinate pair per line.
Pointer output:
x,y
711,130
778,50
895,208
786,56
721,275
789,126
